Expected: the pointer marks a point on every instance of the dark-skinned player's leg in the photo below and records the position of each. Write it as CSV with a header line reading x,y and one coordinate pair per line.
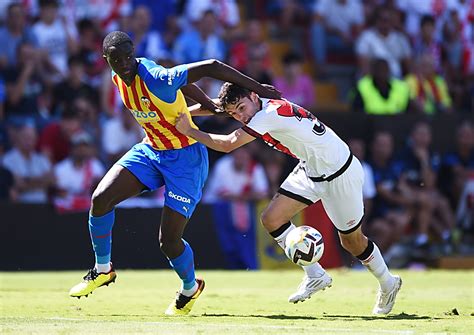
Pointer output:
x,y
171,232
117,185
181,258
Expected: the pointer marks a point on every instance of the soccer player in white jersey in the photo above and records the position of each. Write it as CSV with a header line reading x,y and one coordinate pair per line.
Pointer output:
x,y
327,171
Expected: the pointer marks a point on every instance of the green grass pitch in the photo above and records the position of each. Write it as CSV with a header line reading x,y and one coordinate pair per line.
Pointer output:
x,y
235,302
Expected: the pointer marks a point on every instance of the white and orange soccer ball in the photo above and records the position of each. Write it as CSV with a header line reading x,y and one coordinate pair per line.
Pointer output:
x,y
304,245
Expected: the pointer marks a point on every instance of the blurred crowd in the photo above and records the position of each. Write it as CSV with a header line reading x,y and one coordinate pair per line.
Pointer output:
x,y
62,123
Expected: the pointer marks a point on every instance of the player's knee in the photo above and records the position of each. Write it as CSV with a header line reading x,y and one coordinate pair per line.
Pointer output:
x,y
269,221
169,247
101,203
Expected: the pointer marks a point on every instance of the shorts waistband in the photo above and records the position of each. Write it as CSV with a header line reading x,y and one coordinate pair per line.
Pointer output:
x,y
336,174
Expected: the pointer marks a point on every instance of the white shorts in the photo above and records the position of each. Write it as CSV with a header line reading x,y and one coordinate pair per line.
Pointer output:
x,y
341,197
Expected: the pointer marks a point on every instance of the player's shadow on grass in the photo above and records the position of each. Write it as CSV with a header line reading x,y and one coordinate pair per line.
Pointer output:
x,y
401,316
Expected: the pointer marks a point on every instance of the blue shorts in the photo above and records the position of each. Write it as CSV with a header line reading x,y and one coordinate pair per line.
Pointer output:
x,y
182,171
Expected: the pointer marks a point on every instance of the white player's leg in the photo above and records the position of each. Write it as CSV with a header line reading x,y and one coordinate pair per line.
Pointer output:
x,y
275,219
369,255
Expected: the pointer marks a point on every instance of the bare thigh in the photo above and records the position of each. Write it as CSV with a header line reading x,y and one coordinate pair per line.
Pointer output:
x,y
117,185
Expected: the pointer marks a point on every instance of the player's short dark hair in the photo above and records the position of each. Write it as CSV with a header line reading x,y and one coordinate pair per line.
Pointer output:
x,y
230,93
114,39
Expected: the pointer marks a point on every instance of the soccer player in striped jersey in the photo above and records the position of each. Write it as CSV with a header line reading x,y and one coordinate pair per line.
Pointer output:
x,y
155,97
327,171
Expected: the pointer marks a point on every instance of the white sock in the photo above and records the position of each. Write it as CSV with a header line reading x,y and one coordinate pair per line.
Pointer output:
x,y
191,291
376,265
313,270
103,268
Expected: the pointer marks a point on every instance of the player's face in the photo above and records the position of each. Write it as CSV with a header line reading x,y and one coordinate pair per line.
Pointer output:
x,y
245,108
121,59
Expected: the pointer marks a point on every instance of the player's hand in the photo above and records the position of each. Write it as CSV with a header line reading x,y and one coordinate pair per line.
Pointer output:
x,y
271,92
182,124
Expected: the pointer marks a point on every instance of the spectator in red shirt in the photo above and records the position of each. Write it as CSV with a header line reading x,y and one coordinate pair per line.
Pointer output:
x,y
55,138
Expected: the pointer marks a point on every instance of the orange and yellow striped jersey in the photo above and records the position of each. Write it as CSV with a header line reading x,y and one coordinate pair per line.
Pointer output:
x,y
155,100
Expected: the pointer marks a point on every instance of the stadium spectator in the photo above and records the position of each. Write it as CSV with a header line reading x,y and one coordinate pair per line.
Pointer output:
x,y
148,43
72,86
295,85
200,42
90,51
419,166
428,90
119,134
13,33
165,10
88,113
24,83
226,11
235,180
78,174
426,43
458,166
236,177
382,41
275,165
251,45
32,170
54,140
54,39
416,10
335,25
391,215
380,93
257,70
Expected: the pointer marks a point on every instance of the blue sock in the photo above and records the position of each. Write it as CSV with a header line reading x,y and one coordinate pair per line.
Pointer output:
x,y
184,266
100,228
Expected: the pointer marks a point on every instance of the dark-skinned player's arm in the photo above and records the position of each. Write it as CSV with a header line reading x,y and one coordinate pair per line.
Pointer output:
x,y
224,143
207,106
216,69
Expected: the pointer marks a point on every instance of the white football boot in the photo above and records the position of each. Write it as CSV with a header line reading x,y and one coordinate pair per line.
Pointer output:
x,y
386,300
309,286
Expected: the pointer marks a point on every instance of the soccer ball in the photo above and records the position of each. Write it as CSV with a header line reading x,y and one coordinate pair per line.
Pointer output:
x,y
304,245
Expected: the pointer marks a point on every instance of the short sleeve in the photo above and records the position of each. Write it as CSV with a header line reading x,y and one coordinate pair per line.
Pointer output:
x,y
163,82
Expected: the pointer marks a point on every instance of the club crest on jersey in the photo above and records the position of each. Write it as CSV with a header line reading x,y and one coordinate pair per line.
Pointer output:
x,y
145,101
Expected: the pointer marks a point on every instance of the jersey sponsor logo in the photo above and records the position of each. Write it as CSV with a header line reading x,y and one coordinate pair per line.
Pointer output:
x,y
144,115
145,101
179,197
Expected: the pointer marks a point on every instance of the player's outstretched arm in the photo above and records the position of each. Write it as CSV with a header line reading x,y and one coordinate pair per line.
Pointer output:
x,y
224,143
195,93
221,71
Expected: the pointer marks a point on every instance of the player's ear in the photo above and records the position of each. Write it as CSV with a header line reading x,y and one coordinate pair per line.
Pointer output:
x,y
253,97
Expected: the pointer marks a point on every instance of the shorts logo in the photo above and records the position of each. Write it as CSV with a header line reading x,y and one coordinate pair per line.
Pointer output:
x,y
145,101
351,223
179,197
